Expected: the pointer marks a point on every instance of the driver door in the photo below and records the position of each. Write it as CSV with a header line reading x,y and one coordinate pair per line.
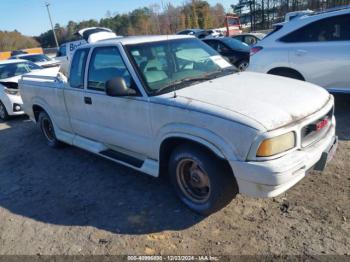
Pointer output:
x,y
115,121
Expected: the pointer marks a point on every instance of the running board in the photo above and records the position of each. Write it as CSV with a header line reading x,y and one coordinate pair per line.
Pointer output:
x,y
118,156
147,165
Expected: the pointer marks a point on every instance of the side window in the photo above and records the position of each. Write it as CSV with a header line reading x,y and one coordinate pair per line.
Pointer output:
x,y
212,44
222,48
106,63
329,29
77,71
250,40
239,37
62,51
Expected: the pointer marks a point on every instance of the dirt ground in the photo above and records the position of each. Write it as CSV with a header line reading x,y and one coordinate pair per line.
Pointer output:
x,y
68,201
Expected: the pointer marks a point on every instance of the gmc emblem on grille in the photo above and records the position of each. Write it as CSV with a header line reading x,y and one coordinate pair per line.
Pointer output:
x,y
319,125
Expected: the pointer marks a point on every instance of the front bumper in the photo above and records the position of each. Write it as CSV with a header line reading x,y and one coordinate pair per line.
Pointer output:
x,y
12,102
272,178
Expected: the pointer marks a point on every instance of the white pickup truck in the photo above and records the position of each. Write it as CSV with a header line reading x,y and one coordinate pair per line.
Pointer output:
x,y
172,105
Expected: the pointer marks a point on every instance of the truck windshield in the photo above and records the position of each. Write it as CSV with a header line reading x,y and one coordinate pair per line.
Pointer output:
x,y
16,69
172,64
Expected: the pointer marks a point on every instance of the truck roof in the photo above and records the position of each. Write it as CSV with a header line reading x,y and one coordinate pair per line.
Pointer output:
x,y
127,40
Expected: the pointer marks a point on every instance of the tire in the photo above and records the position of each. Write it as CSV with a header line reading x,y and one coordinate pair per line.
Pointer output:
x,y
3,112
287,73
48,131
242,65
210,184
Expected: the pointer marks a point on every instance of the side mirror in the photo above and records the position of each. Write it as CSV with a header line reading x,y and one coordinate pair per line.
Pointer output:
x,y
117,87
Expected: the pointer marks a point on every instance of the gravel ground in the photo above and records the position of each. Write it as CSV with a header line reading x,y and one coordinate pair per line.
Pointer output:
x,y
68,201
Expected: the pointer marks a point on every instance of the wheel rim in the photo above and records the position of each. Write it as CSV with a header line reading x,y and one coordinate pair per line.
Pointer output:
x,y
193,181
2,112
243,66
48,131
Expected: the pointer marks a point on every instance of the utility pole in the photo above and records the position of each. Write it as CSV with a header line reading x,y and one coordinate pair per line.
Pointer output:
x,y
53,29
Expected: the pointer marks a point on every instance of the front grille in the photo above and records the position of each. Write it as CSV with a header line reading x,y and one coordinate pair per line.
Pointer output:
x,y
310,134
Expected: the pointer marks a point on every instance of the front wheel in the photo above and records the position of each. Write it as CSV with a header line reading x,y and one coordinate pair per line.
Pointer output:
x,y
242,65
202,181
47,129
3,112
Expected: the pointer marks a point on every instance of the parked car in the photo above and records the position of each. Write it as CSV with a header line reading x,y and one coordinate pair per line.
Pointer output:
x,y
314,48
18,52
214,33
38,59
199,33
235,51
10,99
250,39
172,104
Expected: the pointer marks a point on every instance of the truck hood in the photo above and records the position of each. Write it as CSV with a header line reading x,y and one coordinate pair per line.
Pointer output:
x,y
269,101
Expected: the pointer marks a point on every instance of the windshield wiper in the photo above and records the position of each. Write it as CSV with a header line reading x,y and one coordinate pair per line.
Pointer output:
x,y
205,77
173,85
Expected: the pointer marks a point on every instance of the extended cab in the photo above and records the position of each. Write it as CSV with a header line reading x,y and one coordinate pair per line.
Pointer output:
x,y
171,104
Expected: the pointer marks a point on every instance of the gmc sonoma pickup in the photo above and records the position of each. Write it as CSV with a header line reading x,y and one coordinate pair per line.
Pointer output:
x,y
172,105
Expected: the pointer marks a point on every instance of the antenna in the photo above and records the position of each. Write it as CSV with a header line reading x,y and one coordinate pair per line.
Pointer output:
x,y
47,4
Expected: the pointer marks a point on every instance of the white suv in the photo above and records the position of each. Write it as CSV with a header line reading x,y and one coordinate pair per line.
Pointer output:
x,y
10,99
314,48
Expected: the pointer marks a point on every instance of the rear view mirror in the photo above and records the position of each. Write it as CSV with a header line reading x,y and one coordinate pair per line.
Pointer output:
x,y
117,87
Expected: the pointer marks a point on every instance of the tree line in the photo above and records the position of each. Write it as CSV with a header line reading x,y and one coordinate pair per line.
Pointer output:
x,y
262,14
14,40
154,19
168,19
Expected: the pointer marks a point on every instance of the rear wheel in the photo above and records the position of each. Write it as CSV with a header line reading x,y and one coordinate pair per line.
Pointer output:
x,y
203,182
3,112
47,129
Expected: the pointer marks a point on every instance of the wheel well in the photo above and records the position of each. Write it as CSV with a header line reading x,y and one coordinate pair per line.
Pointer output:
x,y
241,60
169,144
37,110
286,70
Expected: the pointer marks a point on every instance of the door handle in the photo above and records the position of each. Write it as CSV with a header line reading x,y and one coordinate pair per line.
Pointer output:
x,y
87,100
300,52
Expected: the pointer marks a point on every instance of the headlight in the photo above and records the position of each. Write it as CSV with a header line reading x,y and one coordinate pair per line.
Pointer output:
x,y
276,145
11,92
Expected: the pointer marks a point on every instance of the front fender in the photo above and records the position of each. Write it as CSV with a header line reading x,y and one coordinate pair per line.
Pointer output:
x,y
202,136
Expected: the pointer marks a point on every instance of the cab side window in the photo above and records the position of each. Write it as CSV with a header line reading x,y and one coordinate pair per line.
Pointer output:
x,y
77,71
62,51
106,63
334,28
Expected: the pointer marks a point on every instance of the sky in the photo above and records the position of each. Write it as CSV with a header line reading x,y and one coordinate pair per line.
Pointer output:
x,y
30,16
